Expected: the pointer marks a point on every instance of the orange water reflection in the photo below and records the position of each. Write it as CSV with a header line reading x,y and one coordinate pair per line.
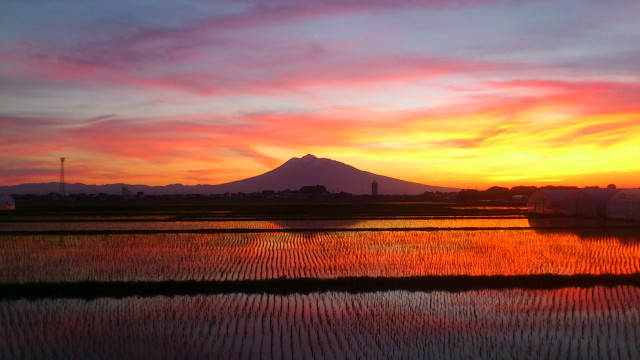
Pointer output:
x,y
485,324
312,254
627,232
409,223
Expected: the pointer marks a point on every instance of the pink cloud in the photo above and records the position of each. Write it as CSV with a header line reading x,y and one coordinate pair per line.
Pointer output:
x,y
306,70
144,58
591,96
275,13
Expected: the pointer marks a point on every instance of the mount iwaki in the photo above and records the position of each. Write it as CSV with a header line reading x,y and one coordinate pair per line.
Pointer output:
x,y
292,175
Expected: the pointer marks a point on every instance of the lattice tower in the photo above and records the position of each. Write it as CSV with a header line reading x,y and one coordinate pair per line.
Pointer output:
x,y
62,184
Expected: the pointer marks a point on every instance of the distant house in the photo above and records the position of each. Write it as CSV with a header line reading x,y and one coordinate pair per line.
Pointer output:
x,y
549,201
625,204
125,193
590,202
7,202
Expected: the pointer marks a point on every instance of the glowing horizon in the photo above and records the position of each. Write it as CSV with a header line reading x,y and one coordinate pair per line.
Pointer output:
x,y
481,93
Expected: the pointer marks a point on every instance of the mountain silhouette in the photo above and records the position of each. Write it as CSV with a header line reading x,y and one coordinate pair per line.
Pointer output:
x,y
334,175
292,175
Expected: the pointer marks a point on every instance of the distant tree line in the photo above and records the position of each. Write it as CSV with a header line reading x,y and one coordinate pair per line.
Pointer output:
x,y
317,192
515,193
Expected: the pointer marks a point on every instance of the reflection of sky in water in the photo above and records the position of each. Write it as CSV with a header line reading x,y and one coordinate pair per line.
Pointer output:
x,y
475,222
588,229
308,254
486,324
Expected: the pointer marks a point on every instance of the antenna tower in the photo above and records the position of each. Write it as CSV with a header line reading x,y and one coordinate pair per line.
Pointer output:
x,y
62,189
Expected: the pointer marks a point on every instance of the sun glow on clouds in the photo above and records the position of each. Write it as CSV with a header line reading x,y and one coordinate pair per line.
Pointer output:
x,y
477,94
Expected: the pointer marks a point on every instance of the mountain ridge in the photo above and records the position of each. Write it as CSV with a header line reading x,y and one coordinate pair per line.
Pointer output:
x,y
291,175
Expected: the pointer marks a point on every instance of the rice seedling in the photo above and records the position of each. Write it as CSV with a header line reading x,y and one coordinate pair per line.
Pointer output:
x,y
570,323
154,257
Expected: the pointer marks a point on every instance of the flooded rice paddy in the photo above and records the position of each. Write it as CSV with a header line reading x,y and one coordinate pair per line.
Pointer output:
x,y
594,320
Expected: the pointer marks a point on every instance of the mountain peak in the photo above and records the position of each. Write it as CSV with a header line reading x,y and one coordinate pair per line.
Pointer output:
x,y
334,175
306,160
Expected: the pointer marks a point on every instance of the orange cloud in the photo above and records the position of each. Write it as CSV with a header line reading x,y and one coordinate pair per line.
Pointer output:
x,y
523,142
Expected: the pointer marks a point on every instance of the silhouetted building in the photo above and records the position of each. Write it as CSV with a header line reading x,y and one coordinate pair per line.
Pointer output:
x,y
625,204
125,193
374,188
590,202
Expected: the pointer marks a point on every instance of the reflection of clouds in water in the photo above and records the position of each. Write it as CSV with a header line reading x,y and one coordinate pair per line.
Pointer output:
x,y
588,229
405,223
395,324
307,226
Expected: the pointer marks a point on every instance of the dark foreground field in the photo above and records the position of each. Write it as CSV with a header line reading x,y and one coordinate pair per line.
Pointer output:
x,y
89,290
186,209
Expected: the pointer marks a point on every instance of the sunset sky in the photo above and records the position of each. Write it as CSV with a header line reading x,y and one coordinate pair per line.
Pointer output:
x,y
452,93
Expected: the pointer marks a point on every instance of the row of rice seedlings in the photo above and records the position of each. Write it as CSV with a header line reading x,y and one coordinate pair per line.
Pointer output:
x,y
308,255
260,224
569,323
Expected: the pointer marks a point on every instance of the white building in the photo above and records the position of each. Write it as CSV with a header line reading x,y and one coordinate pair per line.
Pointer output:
x,y
549,201
625,205
590,202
